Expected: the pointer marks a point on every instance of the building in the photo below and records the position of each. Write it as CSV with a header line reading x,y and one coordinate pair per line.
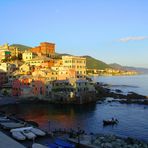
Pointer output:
x,y
27,55
76,63
79,91
5,54
7,67
45,48
40,61
26,69
4,47
3,77
22,86
14,52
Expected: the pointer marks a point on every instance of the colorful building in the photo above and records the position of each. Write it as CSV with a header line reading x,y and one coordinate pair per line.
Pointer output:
x,y
76,63
5,54
45,48
3,77
27,55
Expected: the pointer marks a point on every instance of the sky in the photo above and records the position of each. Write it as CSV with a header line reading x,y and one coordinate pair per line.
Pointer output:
x,y
114,31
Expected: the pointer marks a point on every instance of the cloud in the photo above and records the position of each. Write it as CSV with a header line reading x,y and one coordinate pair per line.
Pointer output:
x,y
133,38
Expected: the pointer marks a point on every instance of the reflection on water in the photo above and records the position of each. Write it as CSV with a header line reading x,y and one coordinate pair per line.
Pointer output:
x,y
133,119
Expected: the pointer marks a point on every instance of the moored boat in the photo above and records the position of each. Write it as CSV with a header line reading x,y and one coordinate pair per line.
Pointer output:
x,y
18,135
28,134
37,131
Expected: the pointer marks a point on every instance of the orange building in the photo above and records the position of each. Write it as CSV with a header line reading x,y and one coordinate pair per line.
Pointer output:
x,y
45,48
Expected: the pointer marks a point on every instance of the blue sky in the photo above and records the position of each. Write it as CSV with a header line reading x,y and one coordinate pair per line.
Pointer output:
x,y
109,30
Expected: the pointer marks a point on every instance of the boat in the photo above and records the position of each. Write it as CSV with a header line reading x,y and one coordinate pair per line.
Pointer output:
x,y
11,125
64,143
110,122
37,131
18,135
28,134
37,145
21,129
4,119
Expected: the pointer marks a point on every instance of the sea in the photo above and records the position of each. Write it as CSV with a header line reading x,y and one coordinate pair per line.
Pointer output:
x,y
133,118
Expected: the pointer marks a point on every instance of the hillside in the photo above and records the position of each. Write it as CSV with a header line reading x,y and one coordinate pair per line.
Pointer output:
x,y
93,63
128,68
21,47
117,66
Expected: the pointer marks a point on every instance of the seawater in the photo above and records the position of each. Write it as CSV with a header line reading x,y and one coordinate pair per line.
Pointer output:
x,y
133,118
136,83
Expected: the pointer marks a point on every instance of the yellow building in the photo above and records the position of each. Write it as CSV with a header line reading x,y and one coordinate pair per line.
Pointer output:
x,y
76,63
25,69
14,51
37,61
27,55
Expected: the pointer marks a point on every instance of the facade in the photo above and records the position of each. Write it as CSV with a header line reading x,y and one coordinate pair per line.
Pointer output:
x,y
5,46
38,61
39,88
7,67
14,51
3,77
45,48
76,63
49,75
25,69
27,55
22,87
73,90
5,54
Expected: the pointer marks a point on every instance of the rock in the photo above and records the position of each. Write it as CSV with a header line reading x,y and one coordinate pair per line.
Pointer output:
x,y
116,144
119,140
102,139
129,146
135,146
107,145
111,138
97,142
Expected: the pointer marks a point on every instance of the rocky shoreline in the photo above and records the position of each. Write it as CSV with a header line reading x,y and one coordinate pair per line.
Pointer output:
x,y
104,92
111,141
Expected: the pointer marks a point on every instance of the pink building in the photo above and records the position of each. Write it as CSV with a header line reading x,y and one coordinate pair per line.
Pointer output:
x,y
22,87
39,88
26,86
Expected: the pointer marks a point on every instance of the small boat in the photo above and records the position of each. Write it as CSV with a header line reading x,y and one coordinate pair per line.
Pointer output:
x,y
4,119
21,129
11,125
18,135
29,134
37,145
37,131
110,122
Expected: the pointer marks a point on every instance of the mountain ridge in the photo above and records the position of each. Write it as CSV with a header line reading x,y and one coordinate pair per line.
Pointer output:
x,y
20,46
138,69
